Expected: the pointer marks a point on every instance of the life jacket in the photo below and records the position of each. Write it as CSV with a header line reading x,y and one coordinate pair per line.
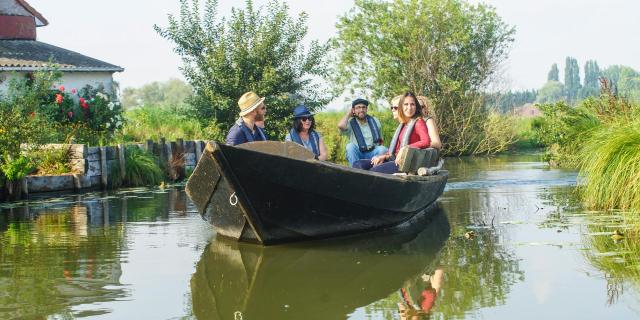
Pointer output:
x,y
247,132
314,140
405,138
375,133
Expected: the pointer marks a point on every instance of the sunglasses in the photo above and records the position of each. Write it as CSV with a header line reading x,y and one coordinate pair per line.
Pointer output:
x,y
306,119
394,108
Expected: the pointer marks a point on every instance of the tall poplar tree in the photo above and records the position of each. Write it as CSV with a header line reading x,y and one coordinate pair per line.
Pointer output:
x,y
554,73
572,79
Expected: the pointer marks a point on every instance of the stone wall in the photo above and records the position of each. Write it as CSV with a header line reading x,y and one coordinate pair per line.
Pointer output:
x,y
92,166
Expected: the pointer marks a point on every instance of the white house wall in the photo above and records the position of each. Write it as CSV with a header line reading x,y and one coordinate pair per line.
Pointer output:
x,y
70,80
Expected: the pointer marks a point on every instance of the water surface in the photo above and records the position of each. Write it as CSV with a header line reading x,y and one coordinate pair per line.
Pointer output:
x,y
507,241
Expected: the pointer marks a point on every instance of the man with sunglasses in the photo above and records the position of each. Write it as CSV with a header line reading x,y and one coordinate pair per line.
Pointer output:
x,y
364,132
252,110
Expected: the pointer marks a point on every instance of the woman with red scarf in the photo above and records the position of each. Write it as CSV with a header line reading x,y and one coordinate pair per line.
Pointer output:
x,y
412,131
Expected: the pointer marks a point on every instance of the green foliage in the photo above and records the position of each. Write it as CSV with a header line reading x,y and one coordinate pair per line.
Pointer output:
x,y
551,92
153,122
141,168
172,93
52,161
563,130
257,49
21,119
572,79
444,49
507,102
592,75
553,74
610,162
18,168
526,134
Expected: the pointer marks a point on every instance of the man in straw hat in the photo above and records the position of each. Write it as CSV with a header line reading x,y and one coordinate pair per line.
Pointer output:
x,y
364,132
252,110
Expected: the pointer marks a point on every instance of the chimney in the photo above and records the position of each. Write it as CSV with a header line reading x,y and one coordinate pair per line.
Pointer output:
x,y
18,20
17,27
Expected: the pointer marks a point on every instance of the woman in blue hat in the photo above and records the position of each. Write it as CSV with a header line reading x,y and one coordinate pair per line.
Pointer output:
x,y
303,133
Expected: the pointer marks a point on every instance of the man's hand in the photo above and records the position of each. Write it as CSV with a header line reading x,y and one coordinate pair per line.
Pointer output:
x,y
378,159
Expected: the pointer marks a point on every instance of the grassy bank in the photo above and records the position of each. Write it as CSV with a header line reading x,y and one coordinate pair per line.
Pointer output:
x,y
600,138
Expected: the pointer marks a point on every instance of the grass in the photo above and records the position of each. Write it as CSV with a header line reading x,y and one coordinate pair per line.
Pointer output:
x,y
141,169
154,122
610,162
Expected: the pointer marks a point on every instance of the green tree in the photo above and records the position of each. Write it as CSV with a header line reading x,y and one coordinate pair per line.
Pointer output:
x,y
551,92
572,78
257,49
553,74
591,86
173,93
447,50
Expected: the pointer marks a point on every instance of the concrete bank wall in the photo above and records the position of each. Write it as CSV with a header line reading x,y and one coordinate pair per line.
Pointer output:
x,y
93,166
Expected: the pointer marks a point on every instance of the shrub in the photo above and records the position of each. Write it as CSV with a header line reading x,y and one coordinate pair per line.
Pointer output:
x,y
52,161
17,168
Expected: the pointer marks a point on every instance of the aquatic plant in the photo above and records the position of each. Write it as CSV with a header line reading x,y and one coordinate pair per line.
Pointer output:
x,y
610,164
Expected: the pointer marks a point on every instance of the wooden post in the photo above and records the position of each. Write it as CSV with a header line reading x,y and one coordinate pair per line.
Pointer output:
x,y
77,182
163,149
121,151
25,186
198,151
169,158
103,167
149,146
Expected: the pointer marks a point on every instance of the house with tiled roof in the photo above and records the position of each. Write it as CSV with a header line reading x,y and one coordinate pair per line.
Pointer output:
x,y
21,53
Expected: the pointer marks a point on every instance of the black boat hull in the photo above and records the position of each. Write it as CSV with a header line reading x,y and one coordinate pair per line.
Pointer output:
x,y
259,197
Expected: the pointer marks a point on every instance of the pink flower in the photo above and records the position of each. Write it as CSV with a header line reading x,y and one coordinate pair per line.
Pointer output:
x,y
70,114
81,100
61,88
85,105
58,98
73,91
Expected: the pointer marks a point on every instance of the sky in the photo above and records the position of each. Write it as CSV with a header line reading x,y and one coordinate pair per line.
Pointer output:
x,y
547,31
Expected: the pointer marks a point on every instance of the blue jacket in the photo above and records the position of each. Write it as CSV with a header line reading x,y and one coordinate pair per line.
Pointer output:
x,y
239,134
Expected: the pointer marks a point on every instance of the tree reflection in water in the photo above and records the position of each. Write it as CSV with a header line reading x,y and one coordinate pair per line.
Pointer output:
x,y
60,253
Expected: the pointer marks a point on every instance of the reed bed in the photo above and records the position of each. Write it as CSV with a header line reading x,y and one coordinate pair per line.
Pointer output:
x,y
610,163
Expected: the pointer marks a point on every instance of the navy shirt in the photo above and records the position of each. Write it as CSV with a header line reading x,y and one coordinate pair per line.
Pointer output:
x,y
238,136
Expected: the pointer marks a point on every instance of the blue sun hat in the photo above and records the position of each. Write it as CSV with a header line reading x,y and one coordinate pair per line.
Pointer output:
x,y
301,111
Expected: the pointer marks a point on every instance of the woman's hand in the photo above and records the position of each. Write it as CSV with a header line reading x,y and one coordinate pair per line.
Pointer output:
x,y
378,159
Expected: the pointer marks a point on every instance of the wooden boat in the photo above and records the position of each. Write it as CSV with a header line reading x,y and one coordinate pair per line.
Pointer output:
x,y
328,279
272,192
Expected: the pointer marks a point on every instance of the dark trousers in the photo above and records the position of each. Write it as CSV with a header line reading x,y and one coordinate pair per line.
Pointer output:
x,y
389,167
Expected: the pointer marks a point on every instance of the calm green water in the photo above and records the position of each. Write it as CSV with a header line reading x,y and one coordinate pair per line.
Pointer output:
x,y
145,253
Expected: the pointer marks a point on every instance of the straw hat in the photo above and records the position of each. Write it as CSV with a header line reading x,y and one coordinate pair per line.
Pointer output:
x,y
248,102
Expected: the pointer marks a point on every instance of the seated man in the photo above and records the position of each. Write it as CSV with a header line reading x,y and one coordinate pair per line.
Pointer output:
x,y
252,110
364,132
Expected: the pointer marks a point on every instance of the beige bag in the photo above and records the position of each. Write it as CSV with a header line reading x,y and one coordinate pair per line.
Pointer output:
x,y
412,159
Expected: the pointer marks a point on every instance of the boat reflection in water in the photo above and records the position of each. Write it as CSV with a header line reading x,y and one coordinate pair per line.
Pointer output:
x,y
320,280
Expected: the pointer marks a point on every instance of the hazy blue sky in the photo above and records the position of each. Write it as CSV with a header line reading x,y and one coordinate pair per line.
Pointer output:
x,y
120,32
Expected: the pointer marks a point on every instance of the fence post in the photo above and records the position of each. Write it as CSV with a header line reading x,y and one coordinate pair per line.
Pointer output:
x,y
103,167
198,151
121,151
